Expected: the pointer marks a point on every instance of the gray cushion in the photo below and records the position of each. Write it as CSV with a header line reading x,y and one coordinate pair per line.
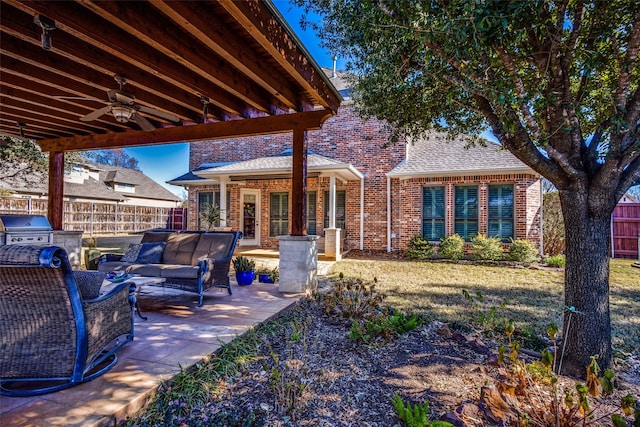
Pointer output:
x,y
214,246
148,270
180,247
156,236
150,253
179,271
132,253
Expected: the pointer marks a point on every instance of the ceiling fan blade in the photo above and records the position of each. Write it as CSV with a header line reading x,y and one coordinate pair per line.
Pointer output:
x,y
94,115
142,122
124,98
158,113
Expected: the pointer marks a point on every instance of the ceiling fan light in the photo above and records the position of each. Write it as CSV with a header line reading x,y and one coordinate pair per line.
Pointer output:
x,y
121,113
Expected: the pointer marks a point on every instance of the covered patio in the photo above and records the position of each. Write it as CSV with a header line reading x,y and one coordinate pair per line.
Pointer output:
x,y
97,75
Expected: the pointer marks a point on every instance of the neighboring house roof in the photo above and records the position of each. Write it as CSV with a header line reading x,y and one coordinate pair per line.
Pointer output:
x,y
628,198
279,166
145,187
434,155
339,79
90,188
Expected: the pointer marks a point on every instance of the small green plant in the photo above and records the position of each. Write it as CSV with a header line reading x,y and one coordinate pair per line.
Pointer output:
x,y
352,298
288,377
486,320
243,263
419,248
416,415
210,215
452,247
274,274
384,325
486,248
557,261
523,251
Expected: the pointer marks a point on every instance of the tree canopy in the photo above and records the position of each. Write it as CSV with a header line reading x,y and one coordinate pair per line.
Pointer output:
x,y
556,81
115,157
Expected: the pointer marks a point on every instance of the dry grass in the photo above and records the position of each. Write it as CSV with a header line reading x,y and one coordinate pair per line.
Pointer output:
x,y
533,298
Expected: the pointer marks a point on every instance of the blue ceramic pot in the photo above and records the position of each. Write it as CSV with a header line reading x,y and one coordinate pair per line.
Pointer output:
x,y
245,278
265,278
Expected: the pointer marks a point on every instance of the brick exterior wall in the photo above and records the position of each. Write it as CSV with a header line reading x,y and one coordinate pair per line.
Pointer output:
x,y
407,205
347,138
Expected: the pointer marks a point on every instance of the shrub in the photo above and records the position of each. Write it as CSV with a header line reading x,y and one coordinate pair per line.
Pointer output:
x,y
353,299
523,251
419,248
486,248
452,247
555,261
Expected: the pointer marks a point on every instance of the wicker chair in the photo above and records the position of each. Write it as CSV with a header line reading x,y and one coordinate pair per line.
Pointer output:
x,y
56,330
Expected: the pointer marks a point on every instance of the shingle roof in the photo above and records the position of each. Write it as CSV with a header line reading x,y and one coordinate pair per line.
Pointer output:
x,y
145,187
434,155
279,164
38,185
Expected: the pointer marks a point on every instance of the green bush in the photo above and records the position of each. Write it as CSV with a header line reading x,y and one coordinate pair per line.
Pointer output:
x,y
419,248
523,251
486,248
555,261
452,247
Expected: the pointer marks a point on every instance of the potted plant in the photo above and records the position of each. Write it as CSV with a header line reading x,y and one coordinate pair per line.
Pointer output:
x,y
268,275
210,215
245,270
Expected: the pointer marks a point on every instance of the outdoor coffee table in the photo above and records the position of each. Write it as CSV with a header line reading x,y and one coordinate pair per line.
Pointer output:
x,y
138,282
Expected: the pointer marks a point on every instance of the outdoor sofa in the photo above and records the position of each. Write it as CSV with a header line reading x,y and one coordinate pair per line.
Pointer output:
x,y
192,261
56,330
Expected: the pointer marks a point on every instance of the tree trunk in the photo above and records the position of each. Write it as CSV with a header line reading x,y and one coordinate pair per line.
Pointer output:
x,y
587,323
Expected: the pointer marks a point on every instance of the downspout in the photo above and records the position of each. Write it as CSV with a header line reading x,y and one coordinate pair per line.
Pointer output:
x,y
362,214
388,213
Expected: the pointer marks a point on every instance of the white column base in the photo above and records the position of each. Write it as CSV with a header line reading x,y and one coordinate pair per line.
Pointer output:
x,y
298,263
71,242
333,243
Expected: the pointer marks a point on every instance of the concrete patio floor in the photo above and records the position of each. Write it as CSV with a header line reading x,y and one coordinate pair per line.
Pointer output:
x,y
177,333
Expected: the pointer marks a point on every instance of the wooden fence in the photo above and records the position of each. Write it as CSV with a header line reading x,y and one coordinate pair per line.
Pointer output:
x,y
95,218
625,225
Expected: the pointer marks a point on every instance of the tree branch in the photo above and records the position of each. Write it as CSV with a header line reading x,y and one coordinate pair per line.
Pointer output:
x,y
628,63
629,177
575,32
522,93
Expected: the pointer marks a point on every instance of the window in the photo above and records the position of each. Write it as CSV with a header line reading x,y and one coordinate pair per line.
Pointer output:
x,y
279,214
311,213
209,197
433,209
466,211
500,211
340,208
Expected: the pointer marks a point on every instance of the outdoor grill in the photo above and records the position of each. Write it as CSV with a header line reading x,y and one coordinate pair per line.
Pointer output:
x,y
25,230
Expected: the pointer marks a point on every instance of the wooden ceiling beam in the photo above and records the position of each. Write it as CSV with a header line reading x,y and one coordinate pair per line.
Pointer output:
x,y
138,32
309,120
31,92
10,127
16,113
260,22
83,63
208,27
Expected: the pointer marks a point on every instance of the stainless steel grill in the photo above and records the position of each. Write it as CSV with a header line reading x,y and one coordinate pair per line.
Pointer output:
x,y
25,230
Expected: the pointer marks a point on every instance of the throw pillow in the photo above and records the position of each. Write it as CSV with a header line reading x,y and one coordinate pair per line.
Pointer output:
x,y
150,253
132,253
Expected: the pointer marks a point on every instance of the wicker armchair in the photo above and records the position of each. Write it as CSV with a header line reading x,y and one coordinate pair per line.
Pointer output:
x,y
56,331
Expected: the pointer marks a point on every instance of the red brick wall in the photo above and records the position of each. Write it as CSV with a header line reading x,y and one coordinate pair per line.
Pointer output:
x,y
349,139
344,137
407,202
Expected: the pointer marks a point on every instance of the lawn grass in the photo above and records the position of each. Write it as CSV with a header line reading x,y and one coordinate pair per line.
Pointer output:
x,y
533,298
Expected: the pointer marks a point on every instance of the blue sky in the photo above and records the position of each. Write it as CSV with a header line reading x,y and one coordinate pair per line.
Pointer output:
x,y
165,162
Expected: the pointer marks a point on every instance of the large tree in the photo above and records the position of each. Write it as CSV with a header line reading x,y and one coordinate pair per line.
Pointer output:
x,y
555,81
115,157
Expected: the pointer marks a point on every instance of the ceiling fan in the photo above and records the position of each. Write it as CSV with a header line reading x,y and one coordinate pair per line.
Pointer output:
x,y
124,109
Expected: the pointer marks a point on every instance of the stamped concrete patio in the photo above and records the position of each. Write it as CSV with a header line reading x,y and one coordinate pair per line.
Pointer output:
x,y
177,334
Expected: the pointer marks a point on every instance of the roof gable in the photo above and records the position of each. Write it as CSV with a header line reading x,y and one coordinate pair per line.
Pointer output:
x,y
436,155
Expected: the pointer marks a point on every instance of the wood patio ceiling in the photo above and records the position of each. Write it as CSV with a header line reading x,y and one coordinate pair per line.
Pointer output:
x,y
238,54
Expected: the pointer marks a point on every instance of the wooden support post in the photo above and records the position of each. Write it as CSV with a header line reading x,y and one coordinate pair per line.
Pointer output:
x,y
56,189
299,184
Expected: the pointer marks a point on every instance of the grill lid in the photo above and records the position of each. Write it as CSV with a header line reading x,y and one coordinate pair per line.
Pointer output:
x,y
15,222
